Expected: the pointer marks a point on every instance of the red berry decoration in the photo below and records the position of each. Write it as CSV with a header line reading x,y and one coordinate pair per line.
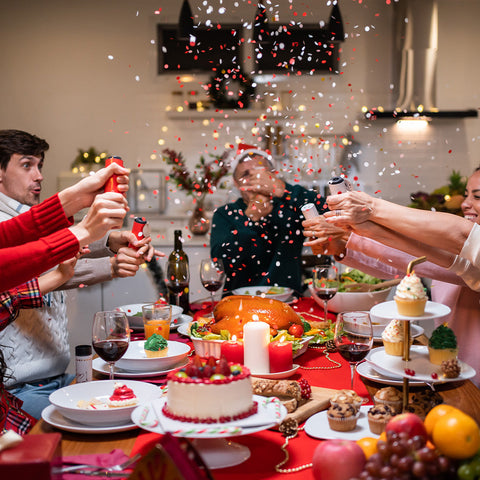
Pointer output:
x,y
409,372
305,389
196,360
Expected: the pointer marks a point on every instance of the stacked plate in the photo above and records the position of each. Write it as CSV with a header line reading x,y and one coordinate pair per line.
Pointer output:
x,y
135,318
283,294
68,412
135,364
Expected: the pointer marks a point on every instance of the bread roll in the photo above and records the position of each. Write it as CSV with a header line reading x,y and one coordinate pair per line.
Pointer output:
x,y
232,313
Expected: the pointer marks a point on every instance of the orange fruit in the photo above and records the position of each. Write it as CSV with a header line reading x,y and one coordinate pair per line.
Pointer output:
x,y
456,435
383,436
368,445
434,414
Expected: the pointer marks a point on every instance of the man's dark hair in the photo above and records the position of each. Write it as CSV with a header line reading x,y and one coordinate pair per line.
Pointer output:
x,y
23,143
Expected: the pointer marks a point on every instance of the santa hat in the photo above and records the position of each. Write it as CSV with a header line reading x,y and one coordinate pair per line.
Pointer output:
x,y
244,150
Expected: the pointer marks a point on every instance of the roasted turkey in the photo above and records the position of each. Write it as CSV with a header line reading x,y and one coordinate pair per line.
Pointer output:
x,y
232,313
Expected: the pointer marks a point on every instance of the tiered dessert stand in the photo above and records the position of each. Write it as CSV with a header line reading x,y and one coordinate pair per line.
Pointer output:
x,y
388,311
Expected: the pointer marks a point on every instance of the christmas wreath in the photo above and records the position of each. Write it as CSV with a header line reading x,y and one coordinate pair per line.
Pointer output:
x,y
231,89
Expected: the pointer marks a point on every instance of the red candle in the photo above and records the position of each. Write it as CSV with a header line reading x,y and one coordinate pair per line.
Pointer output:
x,y
281,356
232,351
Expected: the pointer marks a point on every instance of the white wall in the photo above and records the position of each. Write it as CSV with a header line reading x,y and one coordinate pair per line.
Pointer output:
x,y
58,82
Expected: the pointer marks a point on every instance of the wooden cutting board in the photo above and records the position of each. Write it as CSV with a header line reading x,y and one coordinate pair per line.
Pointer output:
x,y
319,400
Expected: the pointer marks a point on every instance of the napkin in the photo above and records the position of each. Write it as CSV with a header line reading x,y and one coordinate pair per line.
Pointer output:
x,y
101,459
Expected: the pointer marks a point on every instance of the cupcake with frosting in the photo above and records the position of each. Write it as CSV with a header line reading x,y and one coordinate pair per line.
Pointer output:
x,y
442,345
410,296
156,346
393,338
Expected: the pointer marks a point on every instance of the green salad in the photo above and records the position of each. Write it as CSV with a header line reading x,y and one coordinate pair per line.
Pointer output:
x,y
353,276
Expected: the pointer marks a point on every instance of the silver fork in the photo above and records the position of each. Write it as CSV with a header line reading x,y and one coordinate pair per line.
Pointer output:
x,y
86,469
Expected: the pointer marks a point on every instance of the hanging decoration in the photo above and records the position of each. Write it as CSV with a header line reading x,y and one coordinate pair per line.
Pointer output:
x,y
231,89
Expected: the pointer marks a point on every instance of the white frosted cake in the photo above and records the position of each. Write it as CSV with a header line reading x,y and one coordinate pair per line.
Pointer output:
x,y
210,392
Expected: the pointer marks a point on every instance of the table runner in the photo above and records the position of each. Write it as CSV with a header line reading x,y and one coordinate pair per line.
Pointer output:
x,y
265,446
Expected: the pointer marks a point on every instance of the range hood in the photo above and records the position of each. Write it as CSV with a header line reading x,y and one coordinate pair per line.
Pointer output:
x,y
416,50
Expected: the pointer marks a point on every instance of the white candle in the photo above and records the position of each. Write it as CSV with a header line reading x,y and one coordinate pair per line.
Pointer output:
x,y
256,337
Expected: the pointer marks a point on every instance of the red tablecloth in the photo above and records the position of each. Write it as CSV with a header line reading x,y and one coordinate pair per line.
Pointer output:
x,y
265,446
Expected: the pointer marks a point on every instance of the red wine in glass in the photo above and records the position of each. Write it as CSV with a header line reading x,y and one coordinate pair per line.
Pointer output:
x,y
353,353
110,337
110,350
212,275
353,338
325,283
213,285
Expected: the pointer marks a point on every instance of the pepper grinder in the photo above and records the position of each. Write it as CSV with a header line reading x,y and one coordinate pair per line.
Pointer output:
x,y
83,363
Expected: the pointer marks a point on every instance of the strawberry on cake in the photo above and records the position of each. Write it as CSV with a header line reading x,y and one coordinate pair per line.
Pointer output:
x,y
210,392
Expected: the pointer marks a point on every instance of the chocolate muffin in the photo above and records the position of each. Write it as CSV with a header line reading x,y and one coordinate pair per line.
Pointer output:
x,y
342,417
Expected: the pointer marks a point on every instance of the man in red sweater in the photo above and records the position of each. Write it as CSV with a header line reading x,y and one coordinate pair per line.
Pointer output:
x,y
36,346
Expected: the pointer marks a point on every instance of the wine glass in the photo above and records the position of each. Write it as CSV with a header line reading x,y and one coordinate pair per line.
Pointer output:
x,y
212,275
177,277
110,337
325,283
353,338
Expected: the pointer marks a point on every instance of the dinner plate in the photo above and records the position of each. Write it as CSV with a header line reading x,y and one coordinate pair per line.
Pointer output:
x,y
419,363
183,319
183,329
415,331
149,416
52,416
284,293
134,313
317,426
370,372
101,366
386,311
278,375
135,359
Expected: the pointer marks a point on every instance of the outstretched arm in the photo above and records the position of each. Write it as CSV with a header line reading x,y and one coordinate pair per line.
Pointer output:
x,y
349,210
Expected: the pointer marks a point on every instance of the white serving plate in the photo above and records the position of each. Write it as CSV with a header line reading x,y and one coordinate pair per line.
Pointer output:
x,y
353,301
278,375
134,313
317,426
102,367
375,374
262,292
151,418
52,416
135,359
66,399
386,311
415,331
181,320
419,362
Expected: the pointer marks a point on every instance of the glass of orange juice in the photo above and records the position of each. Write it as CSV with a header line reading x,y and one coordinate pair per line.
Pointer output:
x,y
156,319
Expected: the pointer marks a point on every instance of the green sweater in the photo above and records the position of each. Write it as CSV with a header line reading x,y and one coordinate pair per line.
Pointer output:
x,y
267,252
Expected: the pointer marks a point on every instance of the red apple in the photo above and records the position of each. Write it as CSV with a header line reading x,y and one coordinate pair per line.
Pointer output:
x,y
409,423
338,460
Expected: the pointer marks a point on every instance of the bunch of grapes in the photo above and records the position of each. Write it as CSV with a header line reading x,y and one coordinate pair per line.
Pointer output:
x,y
404,458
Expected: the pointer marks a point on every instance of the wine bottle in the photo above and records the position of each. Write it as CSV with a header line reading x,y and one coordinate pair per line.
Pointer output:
x,y
178,276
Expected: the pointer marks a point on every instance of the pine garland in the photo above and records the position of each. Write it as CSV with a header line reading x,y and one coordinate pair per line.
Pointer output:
x,y
205,178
